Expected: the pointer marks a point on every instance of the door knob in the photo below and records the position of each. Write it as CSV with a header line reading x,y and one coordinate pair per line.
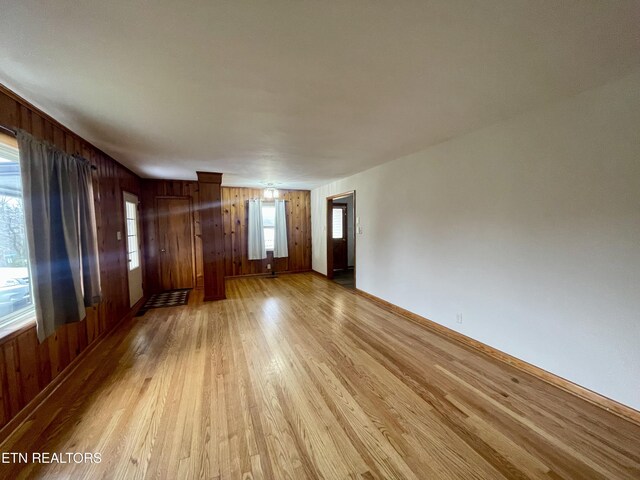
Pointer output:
x,y
162,250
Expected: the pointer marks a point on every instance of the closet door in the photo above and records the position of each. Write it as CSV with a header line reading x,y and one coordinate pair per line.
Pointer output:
x,y
175,242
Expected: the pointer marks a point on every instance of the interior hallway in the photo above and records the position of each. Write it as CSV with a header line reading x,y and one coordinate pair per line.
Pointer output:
x,y
297,377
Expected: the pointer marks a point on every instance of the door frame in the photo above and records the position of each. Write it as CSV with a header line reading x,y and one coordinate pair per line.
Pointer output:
x,y
191,228
126,193
329,239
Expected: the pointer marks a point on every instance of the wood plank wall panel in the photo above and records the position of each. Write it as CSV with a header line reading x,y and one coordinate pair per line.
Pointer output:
x,y
234,212
210,208
234,217
27,367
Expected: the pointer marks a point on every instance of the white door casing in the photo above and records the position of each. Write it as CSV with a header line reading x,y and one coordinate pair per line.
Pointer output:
x,y
132,231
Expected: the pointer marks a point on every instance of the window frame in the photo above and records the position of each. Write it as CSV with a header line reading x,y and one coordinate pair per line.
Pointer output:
x,y
24,318
269,204
136,235
342,207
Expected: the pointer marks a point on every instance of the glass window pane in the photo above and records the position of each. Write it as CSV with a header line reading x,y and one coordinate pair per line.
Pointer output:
x,y
337,223
132,235
15,284
131,244
269,233
268,215
131,227
134,258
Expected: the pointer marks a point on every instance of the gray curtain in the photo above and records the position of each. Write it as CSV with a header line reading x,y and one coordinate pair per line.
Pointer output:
x,y
61,233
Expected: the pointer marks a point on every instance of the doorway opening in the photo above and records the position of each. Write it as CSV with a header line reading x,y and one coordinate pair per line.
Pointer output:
x,y
341,239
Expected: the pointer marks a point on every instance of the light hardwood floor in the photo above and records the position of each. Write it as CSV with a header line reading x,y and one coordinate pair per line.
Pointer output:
x,y
297,377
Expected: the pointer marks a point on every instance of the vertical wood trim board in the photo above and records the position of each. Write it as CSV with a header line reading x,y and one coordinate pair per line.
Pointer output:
x,y
212,234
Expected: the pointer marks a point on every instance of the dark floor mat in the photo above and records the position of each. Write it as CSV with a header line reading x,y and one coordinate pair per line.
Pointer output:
x,y
170,298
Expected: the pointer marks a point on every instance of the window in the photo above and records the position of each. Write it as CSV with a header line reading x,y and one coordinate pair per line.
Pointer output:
x,y
269,224
16,301
337,223
133,252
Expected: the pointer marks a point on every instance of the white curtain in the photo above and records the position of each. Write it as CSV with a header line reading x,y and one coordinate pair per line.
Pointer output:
x,y
280,248
257,250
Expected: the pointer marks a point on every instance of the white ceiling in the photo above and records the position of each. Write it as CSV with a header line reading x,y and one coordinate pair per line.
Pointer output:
x,y
301,92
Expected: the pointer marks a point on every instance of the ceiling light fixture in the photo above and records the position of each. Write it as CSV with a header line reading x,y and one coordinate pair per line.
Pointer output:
x,y
270,193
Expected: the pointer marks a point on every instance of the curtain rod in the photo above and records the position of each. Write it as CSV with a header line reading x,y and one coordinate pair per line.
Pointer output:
x,y
8,130
14,133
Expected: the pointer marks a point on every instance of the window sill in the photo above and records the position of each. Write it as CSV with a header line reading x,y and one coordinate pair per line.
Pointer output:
x,y
17,326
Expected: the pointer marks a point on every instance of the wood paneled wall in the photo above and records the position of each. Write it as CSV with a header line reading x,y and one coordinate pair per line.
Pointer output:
x,y
27,367
234,213
234,217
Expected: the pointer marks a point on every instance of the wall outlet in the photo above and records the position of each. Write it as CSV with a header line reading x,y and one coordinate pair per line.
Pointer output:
x,y
359,230
459,318
357,220
118,235
268,266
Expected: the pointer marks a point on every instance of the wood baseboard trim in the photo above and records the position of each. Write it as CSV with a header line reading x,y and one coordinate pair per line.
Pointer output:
x,y
248,275
214,298
24,414
617,408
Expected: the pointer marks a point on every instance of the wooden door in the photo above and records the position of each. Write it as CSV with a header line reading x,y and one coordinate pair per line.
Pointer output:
x,y
339,234
175,242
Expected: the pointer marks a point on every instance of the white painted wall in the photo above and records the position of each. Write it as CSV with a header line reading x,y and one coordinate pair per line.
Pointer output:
x,y
529,228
